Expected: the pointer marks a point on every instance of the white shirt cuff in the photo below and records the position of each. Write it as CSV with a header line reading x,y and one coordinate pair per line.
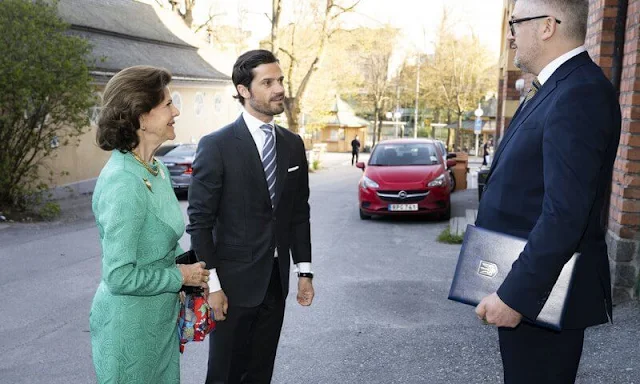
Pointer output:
x,y
214,282
303,268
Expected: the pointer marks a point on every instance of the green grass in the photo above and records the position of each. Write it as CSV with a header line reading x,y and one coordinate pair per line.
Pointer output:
x,y
449,238
50,210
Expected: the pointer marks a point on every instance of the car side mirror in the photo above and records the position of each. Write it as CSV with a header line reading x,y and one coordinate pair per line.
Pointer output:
x,y
451,163
451,155
360,165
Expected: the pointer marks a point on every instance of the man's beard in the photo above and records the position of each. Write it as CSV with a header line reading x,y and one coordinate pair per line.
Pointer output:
x,y
525,63
265,108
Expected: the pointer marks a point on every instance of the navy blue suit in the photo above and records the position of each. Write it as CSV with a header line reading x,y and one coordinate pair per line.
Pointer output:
x,y
549,183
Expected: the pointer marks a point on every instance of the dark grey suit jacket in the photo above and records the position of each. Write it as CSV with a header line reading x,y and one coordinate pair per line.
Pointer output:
x,y
233,226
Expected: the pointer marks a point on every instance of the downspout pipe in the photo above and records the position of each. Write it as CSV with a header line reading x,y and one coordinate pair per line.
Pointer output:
x,y
618,44
616,78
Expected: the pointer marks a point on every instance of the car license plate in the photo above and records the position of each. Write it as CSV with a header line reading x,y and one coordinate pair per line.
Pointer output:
x,y
403,207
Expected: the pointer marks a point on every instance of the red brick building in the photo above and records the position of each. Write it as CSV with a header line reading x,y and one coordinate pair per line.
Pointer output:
x,y
613,43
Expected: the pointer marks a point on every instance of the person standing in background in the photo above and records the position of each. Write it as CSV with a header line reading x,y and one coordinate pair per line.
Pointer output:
x,y
487,149
355,150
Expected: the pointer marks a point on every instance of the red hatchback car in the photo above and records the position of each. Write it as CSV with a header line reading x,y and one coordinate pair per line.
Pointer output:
x,y
405,177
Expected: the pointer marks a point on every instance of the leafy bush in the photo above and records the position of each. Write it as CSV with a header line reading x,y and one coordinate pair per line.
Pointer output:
x,y
50,210
45,93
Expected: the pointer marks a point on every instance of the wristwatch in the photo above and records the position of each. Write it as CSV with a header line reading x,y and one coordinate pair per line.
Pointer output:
x,y
305,274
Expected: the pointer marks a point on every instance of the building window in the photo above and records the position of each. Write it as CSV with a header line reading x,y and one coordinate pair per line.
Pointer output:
x,y
217,102
177,101
94,112
55,142
199,103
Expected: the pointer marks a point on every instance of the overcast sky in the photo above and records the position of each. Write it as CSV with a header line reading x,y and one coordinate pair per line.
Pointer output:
x,y
418,19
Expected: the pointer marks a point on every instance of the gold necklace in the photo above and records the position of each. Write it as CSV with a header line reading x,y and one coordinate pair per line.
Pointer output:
x,y
153,169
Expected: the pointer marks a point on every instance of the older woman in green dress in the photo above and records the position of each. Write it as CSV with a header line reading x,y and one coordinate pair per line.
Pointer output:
x,y
134,312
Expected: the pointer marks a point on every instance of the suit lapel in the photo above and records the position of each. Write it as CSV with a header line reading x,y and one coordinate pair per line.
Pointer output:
x,y
522,114
246,147
282,161
505,138
524,111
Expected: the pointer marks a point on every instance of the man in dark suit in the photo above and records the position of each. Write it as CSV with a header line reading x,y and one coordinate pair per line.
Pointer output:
x,y
549,183
248,210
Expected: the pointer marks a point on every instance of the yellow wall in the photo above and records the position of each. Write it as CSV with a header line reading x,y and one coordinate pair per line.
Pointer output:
x,y
84,162
190,127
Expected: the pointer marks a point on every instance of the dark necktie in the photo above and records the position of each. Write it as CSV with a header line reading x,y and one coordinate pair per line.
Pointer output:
x,y
269,160
535,86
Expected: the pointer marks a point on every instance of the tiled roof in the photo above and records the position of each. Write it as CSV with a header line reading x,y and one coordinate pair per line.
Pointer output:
x,y
342,114
127,32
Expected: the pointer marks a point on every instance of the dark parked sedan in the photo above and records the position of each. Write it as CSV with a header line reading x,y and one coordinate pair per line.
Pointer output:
x,y
179,161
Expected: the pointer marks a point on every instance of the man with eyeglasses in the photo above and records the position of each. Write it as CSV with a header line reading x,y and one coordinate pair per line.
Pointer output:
x,y
549,183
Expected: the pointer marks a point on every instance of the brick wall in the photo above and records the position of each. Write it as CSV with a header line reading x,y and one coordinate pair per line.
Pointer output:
x,y
623,236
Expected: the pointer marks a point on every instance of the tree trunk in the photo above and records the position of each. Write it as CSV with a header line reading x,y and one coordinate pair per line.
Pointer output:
x,y
276,7
188,18
459,132
376,126
292,111
450,136
379,125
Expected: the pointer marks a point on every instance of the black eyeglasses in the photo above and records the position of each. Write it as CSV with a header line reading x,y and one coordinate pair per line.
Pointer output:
x,y
516,21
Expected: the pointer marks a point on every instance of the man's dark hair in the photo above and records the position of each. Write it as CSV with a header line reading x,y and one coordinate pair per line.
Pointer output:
x,y
243,68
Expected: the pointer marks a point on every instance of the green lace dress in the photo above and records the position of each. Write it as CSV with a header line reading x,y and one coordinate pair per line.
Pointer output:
x,y
133,316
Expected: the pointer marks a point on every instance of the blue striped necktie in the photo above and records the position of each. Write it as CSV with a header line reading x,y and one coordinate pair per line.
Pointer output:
x,y
269,160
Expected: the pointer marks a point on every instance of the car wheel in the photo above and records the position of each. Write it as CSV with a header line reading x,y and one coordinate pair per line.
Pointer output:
x,y
364,216
453,181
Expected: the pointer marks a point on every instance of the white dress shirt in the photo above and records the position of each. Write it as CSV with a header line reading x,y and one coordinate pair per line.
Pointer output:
x,y
259,137
548,70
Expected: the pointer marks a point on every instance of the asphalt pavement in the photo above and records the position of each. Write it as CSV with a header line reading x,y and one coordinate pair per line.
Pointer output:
x,y
381,313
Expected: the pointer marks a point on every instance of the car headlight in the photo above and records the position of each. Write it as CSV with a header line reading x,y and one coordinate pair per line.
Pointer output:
x,y
437,182
368,183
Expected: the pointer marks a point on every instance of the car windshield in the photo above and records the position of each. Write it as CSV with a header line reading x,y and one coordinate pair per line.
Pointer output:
x,y
184,150
405,154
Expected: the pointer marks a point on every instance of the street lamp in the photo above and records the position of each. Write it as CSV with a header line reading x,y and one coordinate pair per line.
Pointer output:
x,y
478,126
396,118
520,88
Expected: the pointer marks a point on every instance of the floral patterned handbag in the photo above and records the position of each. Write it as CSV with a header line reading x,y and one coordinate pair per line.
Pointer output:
x,y
195,320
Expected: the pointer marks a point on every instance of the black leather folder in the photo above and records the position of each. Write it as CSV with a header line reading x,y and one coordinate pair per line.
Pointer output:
x,y
189,257
485,260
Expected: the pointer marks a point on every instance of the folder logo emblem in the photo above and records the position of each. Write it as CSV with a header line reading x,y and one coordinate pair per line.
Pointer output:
x,y
487,269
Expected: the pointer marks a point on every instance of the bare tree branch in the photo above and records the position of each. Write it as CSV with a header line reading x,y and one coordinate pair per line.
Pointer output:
x,y
209,20
343,9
